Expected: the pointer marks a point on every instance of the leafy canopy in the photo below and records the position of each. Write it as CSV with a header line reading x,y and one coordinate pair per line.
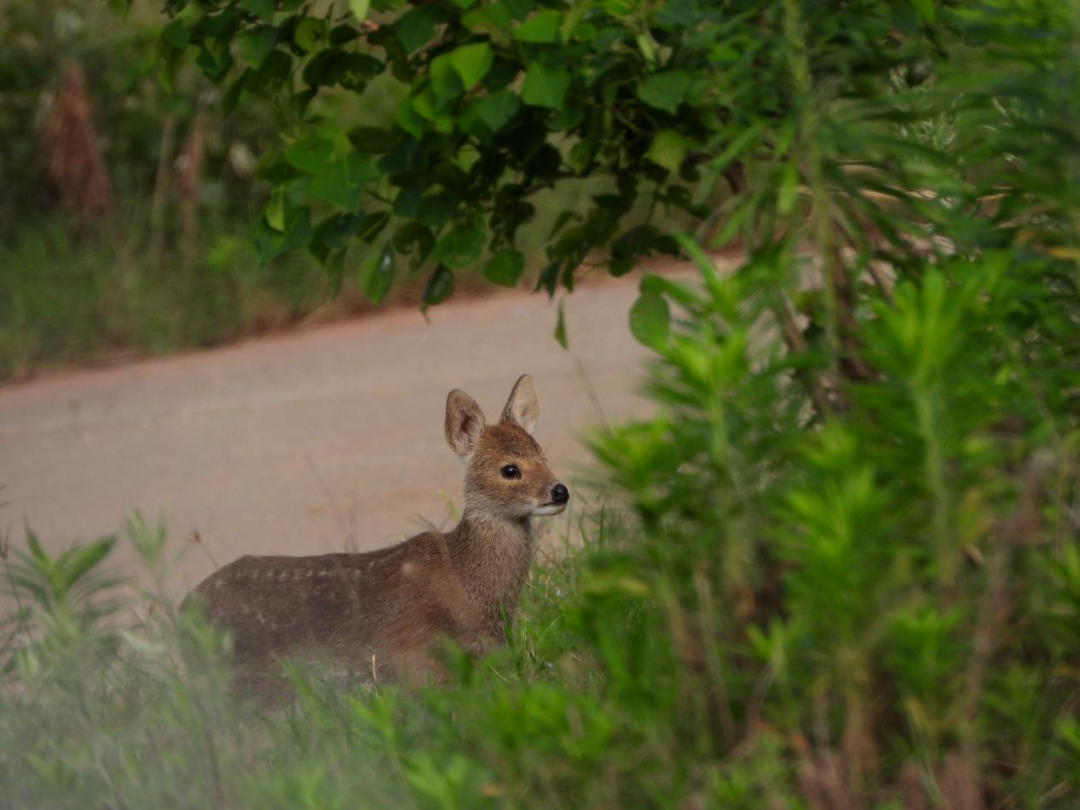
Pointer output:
x,y
662,106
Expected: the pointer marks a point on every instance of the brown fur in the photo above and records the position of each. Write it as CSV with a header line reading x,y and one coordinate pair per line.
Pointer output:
x,y
380,614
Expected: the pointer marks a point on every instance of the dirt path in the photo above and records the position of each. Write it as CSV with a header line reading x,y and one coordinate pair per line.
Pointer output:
x,y
294,443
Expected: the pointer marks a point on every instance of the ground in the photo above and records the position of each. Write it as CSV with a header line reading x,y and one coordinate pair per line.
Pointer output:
x,y
307,442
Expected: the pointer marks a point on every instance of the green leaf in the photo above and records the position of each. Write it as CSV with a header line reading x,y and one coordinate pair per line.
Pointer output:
x,y
414,236
327,68
310,34
406,201
650,320
573,17
377,275
436,110
310,153
264,9
540,28
560,325
86,559
490,19
581,155
342,182
459,248
435,210
37,551
472,62
665,91
272,73
331,234
548,278
176,34
445,80
275,209
519,9
561,220
233,94
618,8
375,140
439,287
505,268
409,119
545,85
567,118
296,233
926,10
416,27
668,148
371,226
789,187
497,109
255,43
335,271
344,33
360,8
701,259
214,59
648,50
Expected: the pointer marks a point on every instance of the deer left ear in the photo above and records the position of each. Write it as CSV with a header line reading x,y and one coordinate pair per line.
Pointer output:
x,y
464,423
523,408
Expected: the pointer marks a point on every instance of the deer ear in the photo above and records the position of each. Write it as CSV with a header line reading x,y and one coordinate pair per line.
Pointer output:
x,y
523,408
464,422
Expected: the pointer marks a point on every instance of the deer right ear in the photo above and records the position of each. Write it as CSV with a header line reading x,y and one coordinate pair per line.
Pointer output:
x,y
464,422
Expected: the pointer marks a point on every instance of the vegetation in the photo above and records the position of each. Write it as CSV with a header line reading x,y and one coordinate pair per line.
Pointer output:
x,y
843,568
126,204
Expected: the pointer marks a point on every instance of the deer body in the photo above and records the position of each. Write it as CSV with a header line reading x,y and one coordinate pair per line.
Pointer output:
x,y
379,614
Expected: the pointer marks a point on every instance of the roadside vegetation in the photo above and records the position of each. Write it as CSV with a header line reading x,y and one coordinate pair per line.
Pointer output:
x,y
127,201
841,565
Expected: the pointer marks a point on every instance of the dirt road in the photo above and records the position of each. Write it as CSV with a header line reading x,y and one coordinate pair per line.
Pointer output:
x,y
295,443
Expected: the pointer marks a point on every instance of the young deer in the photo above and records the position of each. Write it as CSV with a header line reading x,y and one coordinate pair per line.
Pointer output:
x,y
380,613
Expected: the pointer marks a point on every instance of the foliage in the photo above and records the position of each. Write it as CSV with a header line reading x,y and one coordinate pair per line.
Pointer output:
x,y
133,111
849,113
133,281
500,101
869,588
844,567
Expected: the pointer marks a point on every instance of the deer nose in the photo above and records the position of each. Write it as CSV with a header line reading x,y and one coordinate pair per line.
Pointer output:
x,y
560,494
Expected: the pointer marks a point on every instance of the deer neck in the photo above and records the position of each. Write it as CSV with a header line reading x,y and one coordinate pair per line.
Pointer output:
x,y
492,555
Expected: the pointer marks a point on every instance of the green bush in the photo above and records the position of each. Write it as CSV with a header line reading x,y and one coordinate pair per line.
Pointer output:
x,y
842,568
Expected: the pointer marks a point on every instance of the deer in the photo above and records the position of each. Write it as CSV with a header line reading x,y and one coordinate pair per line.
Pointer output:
x,y
383,615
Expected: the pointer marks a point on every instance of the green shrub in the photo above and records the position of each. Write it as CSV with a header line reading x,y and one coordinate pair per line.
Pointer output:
x,y
843,566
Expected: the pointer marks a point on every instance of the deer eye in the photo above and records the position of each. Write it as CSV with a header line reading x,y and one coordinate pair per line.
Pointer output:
x,y
510,471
